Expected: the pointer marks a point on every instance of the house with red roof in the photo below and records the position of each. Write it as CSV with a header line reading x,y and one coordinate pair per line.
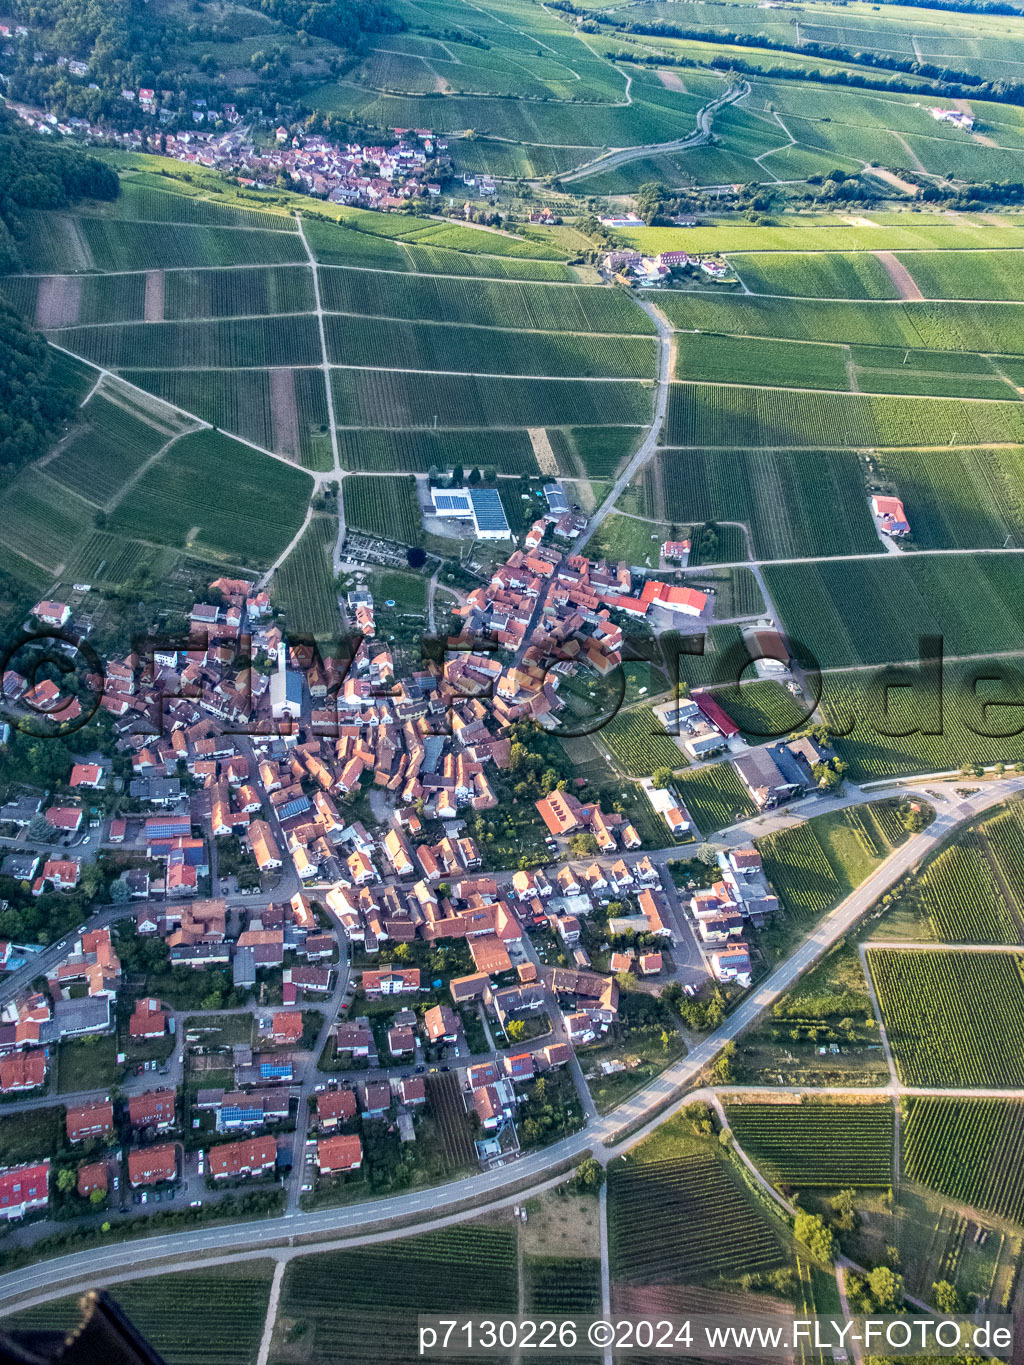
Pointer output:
x,y
153,1165
251,1156
343,1153
24,1189
22,1071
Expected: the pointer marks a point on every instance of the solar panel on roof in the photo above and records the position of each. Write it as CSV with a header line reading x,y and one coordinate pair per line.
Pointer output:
x,y
488,511
451,502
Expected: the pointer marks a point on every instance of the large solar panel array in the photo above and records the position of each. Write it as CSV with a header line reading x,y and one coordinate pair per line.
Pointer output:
x,y
488,511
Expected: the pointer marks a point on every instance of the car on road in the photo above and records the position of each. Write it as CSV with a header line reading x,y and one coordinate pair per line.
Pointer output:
x,y
81,929
196,1204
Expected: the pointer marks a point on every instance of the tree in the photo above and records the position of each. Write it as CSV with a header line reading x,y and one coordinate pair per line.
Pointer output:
x,y
416,557
66,1180
97,1197
845,1211
816,1235
829,776
589,1174
886,1287
661,777
947,1300
515,1030
583,845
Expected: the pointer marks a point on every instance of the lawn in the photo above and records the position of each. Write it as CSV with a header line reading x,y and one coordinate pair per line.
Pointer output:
x,y
87,1064
31,1135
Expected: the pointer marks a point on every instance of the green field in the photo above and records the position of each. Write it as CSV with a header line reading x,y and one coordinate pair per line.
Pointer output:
x,y
304,583
213,1317
743,360
814,865
969,1150
638,740
469,1269
381,452
959,498
383,507
114,445
813,1145
961,897
832,275
722,415
659,1212
391,398
970,603
714,796
879,736
591,452
210,492
953,1019
31,1135
518,304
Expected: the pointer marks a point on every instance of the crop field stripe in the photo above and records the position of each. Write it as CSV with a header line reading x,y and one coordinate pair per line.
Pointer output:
x,y
953,1019
970,1150
818,1145
659,1213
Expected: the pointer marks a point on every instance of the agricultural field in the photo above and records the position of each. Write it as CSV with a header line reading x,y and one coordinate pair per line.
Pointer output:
x,y
879,736
722,415
815,275
332,1305
98,459
591,452
210,1318
968,1150
304,584
953,1019
381,343
639,742
519,304
968,602
388,508
959,498
714,796
745,360
417,452
962,899
814,865
659,1213
764,709
391,398
43,519
210,493
817,1146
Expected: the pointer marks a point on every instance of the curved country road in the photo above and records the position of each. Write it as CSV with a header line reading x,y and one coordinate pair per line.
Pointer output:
x,y
606,1137
619,156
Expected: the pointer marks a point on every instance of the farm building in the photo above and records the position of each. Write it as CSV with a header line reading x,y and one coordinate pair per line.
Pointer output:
x,y
481,506
889,516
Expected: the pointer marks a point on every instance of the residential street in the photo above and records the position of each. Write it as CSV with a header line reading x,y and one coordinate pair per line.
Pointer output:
x,y
606,1136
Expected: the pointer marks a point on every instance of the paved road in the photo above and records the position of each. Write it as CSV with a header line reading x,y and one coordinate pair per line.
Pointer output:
x,y
607,1136
666,350
701,133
